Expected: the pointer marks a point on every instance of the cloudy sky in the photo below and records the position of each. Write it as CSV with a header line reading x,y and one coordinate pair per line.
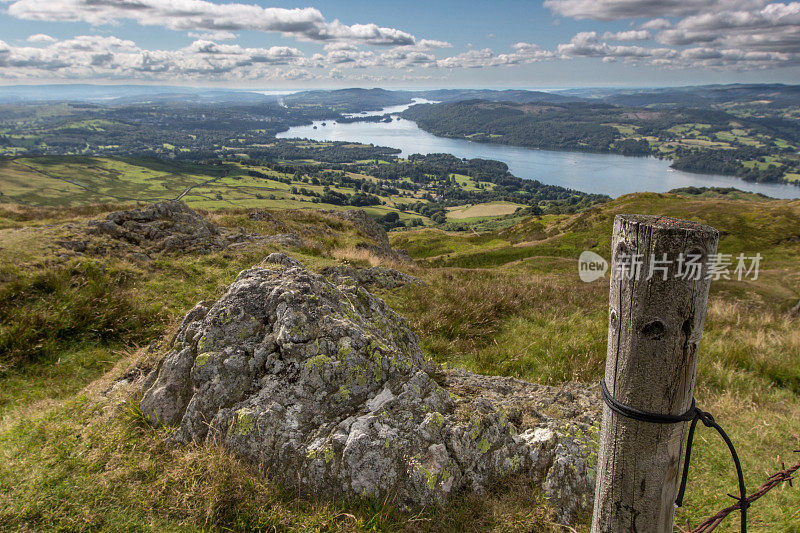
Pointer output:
x,y
435,43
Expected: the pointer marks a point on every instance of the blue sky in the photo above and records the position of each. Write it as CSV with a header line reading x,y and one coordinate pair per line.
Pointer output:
x,y
441,43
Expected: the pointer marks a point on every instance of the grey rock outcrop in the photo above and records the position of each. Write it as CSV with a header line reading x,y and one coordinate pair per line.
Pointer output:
x,y
261,216
326,387
287,240
385,278
278,258
75,246
169,227
366,224
374,231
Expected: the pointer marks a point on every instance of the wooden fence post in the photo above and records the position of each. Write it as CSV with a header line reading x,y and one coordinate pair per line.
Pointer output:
x,y
654,329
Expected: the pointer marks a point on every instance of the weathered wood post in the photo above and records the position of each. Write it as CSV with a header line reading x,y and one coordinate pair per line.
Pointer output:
x,y
656,314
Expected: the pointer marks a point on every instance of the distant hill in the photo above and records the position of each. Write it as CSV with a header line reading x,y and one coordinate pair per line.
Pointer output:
x,y
776,94
351,100
568,126
508,95
121,93
358,99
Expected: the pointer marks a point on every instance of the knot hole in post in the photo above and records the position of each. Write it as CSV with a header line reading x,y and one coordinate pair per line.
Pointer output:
x,y
654,330
686,328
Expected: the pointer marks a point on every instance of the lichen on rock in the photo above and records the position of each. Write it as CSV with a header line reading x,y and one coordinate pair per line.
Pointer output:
x,y
325,386
381,277
164,227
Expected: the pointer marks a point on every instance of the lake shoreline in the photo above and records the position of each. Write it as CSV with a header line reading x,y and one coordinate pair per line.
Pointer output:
x,y
609,152
593,172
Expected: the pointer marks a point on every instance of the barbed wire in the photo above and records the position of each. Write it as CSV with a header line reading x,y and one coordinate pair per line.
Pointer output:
x,y
782,476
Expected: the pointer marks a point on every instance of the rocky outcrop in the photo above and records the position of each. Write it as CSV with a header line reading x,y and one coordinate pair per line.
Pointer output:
x,y
366,224
326,387
558,424
261,216
287,240
169,227
374,231
384,278
278,258
74,246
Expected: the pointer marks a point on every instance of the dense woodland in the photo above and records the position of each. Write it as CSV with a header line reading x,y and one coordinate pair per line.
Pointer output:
x,y
575,126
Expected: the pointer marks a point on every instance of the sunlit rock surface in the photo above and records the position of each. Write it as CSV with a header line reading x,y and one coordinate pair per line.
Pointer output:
x,y
325,386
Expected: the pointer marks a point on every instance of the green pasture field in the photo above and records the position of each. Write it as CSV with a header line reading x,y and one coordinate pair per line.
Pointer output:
x,y
482,211
70,181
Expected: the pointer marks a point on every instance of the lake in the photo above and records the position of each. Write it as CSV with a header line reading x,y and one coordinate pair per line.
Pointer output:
x,y
609,174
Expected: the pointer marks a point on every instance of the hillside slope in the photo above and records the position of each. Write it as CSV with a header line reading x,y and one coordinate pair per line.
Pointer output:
x,y
77,325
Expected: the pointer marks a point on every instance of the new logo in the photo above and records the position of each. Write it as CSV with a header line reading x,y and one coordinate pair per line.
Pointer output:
x,y
591,266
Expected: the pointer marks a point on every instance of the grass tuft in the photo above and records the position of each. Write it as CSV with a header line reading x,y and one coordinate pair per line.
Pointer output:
x,y
44,312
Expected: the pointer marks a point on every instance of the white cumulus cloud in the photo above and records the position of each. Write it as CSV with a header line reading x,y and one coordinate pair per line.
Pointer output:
x,y
220,35
630,35
629,9
40,38
201,15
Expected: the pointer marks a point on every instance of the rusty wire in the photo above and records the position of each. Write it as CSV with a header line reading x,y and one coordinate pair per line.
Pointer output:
x,y
782,476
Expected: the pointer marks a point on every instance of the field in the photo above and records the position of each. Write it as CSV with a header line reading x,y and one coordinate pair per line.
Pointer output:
x,y
69,181
477,212
398,192
505,302
58,181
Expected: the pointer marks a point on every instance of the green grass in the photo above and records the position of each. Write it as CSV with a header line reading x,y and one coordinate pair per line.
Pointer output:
x,y
468,183
428,243
77,364
46,312
624,129
749,227
478,212
74,181
505,302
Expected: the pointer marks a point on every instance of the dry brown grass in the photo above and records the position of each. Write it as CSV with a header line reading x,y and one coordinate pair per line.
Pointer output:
x,y
360,256
15,215
742,343
490,209
460,311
